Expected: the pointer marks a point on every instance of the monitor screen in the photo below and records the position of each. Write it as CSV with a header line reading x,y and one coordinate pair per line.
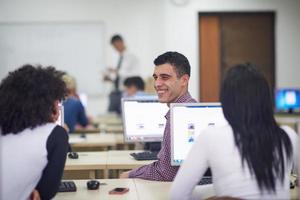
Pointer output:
x,y
287,99
143,119
187,121
60,121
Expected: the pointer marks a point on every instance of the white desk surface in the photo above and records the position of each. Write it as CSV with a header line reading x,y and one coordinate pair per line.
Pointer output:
x,y
108,120
149,190
138,190
105,160
112,129
123,160
96,140
83,193
87,161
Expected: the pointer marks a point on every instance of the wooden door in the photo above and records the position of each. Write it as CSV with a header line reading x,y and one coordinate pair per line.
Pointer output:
x,y
235,38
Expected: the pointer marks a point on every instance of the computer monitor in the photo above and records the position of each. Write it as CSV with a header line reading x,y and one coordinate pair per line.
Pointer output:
x,y
187,121
60,121
287,100
143,119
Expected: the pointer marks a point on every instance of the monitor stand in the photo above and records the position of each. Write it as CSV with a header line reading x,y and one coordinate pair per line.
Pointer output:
x,y
290,111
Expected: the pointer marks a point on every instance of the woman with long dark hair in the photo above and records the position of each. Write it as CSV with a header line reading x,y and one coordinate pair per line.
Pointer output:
x,y
251,157
33,148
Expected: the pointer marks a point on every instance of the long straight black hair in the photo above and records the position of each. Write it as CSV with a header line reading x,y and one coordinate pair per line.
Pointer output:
x,y
247,106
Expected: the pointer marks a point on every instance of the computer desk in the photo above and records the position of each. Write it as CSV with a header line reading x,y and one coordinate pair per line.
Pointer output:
x,y
104,160
138,190
86,130
117,128
102,193
107,120
113,129
87,161
122,160
95,141
292,120
149,190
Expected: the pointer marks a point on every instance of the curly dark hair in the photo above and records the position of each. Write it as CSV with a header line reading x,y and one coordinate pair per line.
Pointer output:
x,y
27,97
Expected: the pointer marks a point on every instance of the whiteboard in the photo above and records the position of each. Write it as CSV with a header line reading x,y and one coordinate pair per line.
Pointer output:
x,y
74,47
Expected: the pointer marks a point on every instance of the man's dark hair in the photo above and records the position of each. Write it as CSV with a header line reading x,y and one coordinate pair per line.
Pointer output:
x,y
136,81
177,60
27,97
115,38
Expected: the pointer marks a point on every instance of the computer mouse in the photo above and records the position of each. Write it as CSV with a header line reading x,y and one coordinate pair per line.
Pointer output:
x,y
73,155
93,184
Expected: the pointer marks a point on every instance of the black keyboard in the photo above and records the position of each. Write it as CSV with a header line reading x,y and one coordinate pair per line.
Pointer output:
x,y
67,186
146,155
205,180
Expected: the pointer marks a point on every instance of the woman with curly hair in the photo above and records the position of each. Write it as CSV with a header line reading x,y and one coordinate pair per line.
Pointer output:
x,y
33,147
251,157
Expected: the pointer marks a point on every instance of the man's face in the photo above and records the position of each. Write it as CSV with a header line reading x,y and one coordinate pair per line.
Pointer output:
x,y
167,85
119,45
131,90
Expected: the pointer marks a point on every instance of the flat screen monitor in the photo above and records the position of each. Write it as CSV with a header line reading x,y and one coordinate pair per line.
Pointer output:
x,y
187,121
60,121
143,119
287,100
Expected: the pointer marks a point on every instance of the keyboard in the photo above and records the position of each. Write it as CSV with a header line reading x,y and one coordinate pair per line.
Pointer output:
x,y
67,186
205,180
146,155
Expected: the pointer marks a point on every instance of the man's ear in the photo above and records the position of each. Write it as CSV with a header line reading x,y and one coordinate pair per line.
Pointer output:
x,y
185,79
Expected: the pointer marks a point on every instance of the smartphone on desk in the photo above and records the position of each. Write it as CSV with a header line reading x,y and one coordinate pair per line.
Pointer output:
x,y
119,190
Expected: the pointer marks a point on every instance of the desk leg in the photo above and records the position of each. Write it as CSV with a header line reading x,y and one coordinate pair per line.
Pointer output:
x,y
92,174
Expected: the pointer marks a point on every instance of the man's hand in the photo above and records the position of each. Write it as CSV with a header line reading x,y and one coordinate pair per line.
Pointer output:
x,y
107,78
125,174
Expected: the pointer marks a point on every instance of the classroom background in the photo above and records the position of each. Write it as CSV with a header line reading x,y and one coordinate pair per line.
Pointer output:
x,y
149,29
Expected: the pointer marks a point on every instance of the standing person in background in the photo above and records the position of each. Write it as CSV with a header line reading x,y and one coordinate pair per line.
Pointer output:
x,y
171,78
251,157
75,116
126,66
33,147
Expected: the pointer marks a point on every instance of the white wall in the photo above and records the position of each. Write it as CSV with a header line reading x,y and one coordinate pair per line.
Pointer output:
x,y
139,21
151,27
182,33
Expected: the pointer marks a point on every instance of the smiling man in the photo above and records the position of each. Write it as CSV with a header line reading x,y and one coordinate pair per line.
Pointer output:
x,y
171,76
